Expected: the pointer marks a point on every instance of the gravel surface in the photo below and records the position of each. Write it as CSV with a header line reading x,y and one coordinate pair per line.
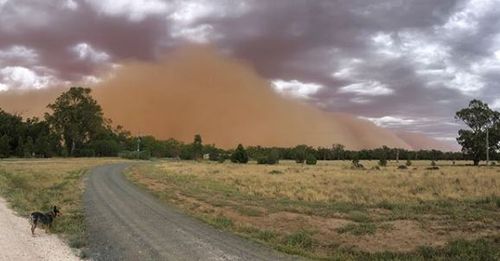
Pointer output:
x,y
127,223
17,243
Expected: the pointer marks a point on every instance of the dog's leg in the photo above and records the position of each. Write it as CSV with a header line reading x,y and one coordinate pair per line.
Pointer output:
x,y
33,226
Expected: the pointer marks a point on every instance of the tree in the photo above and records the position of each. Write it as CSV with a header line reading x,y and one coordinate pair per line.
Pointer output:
x,y
239,155
28,148
481,121
76,118
4,146
197,147
338,151
300,152
271,157
14,130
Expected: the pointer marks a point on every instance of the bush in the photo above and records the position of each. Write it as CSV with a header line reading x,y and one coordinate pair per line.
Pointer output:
x,y
299,153
86,153
140,155
262,160
105,148
214,156
356,164
4,146
311,160
187,152
271,158
408,162
382,162
239,155
402,167
222,158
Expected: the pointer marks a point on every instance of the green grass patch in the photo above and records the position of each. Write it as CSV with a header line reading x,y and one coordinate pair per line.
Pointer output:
x,y
301,239
358,229
358,216
222,222
249,211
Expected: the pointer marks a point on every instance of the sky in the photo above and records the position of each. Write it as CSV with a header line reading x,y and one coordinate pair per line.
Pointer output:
x,y
402,64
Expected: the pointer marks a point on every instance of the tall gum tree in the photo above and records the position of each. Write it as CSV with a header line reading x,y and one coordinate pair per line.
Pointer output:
x,y
76,118
481,121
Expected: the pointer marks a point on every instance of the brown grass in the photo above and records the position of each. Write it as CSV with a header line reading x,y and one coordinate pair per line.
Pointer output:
x,y
333,205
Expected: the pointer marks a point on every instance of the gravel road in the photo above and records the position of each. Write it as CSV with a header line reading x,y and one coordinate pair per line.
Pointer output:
x,y
127,223
17,243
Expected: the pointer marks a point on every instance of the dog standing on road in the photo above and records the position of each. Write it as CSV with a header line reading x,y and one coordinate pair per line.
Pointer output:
x,y
44,218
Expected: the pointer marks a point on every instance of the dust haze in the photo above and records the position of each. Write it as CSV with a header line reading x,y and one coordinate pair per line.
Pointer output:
x,y
195,90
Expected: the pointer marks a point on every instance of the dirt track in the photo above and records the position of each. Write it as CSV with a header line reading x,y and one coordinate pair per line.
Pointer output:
x,y
126,223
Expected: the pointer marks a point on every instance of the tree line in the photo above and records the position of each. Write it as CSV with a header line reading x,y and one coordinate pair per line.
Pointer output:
x,y
75,127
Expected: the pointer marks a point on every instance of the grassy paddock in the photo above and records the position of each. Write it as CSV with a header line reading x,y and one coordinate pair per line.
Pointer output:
x,y
333,211
38,184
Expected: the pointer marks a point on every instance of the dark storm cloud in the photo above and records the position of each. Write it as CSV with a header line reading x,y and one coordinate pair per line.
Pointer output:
x,y
406,64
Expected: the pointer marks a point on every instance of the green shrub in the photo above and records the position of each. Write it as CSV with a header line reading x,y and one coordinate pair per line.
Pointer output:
x,y
408,162
300,153
311,160
271,158
239,155
105,148
356,164
214,156
86,153
187,152
382,162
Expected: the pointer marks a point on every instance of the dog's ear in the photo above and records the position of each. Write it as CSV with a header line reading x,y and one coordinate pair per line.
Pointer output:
x,y
56,211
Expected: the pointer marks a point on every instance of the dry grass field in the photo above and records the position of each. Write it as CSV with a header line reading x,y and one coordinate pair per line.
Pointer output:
x,y
333,211
37,184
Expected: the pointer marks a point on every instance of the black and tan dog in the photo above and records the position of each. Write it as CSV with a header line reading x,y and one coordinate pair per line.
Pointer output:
x,y
43,218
